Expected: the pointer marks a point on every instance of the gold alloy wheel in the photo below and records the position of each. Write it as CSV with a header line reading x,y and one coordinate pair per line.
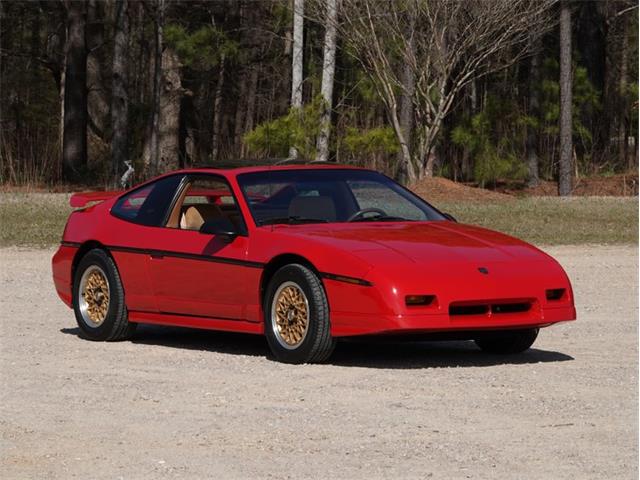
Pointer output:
x,y
290,315
94,296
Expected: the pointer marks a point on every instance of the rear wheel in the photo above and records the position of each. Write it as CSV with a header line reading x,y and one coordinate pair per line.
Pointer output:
x,y
508,341
98,299
297,323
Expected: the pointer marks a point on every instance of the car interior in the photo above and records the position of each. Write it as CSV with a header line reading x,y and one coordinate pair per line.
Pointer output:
x,y
203,200
329,202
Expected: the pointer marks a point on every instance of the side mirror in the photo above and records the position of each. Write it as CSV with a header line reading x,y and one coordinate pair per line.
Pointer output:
x,y
450,217
220,227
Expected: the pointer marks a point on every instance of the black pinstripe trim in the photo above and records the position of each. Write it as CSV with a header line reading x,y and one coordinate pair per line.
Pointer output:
x,y
70,244
208,317
209,258
186,256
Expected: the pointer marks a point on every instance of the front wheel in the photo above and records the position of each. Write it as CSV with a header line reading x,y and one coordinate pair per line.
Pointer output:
x,y
98,299
297,323
508,341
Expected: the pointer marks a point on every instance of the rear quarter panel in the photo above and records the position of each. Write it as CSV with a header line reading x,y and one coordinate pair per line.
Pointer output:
x,y
95,226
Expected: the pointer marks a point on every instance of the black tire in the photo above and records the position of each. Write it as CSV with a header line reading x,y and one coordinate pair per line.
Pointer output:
x,y
115,325
317,343
507,341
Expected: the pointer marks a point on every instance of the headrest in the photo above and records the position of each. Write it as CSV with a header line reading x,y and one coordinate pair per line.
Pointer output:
x,y
195,215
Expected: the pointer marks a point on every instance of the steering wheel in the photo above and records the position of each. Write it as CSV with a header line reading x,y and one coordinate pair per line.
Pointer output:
x,y
361,213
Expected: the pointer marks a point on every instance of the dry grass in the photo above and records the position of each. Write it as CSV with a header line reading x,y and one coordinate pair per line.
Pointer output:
x,y
37,219
554,220
32,219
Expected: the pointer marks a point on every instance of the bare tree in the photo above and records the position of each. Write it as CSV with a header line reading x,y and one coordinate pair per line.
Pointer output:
x,y
533,177
74,142
217,111
451,44
97,77
153,160
120,97
328,70
615,99
167,139
297,60
407,112
566,144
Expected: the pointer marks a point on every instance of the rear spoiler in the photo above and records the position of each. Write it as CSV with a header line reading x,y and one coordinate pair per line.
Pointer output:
x,y
79,200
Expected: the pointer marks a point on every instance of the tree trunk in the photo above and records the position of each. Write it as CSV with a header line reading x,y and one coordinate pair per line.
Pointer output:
x,y
61,90
566,147
251,103
142,70
406,173
97,99
328,70
74,143
429,163
613,106
426,152
168,129
285,72
217,112
407,111
297,61
622,92
241,106
154,154
120,97
533,178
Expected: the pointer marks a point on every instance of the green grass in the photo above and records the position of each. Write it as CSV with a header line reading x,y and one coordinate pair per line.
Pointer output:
x,y
37,219
32,219
556,221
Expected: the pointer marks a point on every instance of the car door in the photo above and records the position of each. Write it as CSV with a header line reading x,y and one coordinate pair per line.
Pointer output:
x,y
132,230
195,273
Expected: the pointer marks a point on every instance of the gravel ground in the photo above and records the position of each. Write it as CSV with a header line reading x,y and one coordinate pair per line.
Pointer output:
x,y
192,404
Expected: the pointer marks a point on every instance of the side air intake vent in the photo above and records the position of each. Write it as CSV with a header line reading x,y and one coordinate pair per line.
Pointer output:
x,y
468,309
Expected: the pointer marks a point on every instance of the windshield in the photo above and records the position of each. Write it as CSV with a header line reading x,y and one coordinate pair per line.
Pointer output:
x,y
327,196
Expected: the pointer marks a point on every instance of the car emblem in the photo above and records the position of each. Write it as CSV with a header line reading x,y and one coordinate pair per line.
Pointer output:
x,y
484,270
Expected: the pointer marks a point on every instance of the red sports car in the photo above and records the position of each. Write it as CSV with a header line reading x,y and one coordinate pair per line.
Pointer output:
x,y
303,254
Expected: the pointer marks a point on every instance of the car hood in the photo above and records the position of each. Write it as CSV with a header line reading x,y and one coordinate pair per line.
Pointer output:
x,y
420,242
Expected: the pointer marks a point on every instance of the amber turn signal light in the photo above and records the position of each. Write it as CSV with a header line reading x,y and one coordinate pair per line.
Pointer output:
x,y
419,300
555,294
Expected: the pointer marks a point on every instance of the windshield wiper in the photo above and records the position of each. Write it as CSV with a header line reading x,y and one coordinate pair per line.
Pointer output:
x,y
382,218
291,220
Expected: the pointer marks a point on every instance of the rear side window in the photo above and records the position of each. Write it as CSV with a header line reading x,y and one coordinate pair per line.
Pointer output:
x,y
148,205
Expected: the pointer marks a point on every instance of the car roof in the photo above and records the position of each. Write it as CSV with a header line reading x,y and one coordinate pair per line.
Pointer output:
x,y
235,169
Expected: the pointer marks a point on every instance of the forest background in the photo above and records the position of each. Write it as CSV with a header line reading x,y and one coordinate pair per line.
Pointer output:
x,y
483,92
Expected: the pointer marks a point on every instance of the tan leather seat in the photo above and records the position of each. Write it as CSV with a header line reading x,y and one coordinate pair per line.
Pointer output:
x,y
195,215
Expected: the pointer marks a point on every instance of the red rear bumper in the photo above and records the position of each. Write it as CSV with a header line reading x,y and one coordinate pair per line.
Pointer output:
x,y
61,265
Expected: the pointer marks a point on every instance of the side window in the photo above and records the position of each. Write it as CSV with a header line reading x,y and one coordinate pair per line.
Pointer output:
x,y
148,205
205,198
202,190
376,195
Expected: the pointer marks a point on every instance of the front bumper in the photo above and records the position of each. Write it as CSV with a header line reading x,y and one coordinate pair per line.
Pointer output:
x,y
350,324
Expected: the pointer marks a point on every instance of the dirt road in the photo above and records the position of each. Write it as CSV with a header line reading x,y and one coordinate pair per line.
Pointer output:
x,y
191,404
